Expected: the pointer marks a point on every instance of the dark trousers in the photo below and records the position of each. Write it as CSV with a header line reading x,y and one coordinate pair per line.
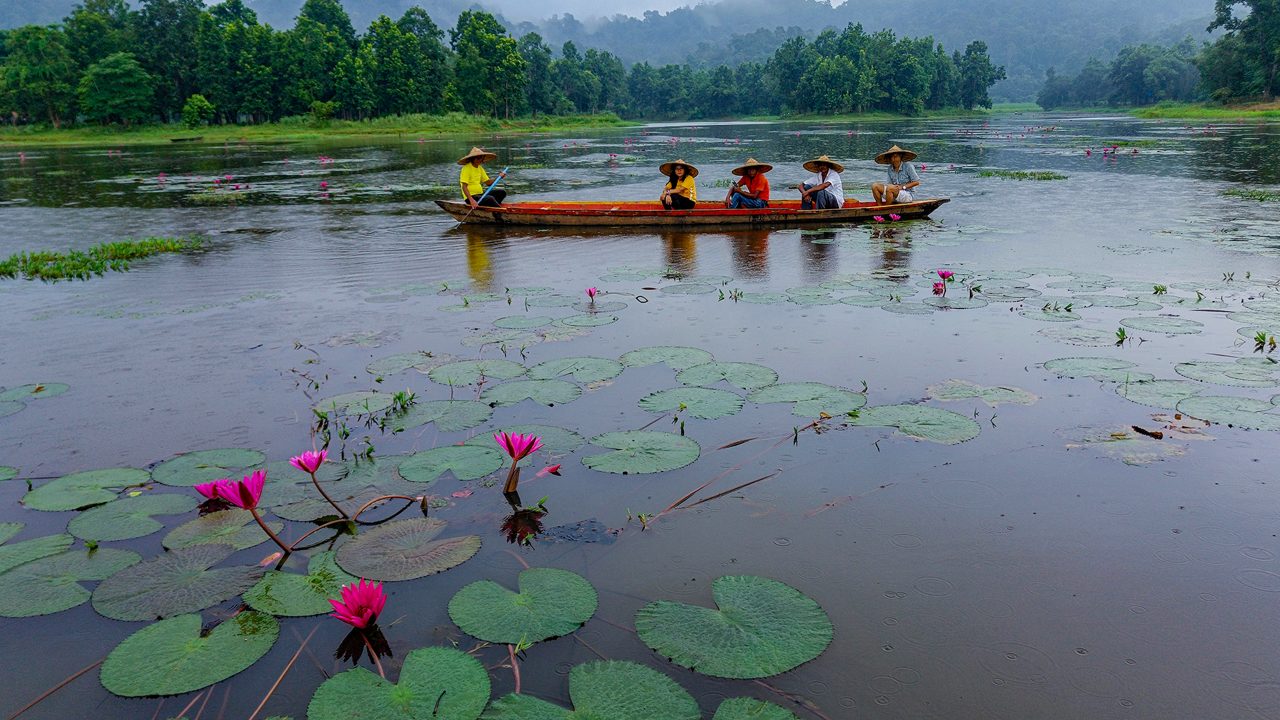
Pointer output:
x,y
823,200
495,198
679,202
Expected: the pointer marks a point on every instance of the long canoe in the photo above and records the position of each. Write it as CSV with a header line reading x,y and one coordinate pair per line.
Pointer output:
x,y
572,213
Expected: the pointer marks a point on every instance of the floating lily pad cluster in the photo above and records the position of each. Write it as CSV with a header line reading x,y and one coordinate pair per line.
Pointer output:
x,y
16,398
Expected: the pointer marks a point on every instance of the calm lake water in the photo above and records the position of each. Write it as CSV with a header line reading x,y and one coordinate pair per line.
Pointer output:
x,y
1057,565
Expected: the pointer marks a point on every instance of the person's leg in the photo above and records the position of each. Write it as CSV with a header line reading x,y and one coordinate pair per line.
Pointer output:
x,y
666,202
495,198
877,192
680,202
753,203
827,201
807,202
735,201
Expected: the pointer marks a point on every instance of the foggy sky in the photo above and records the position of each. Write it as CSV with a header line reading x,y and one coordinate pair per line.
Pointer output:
x,y
583,9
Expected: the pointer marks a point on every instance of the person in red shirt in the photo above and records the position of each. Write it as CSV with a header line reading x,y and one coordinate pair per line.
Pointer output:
x,y
751,190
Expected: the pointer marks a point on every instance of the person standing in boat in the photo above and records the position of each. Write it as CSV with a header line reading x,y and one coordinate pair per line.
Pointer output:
x,y
752,190
823,190
475,180
680,192
901,180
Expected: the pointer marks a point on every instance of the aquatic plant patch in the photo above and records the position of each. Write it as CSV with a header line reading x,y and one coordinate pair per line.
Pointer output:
x,y
233,527
421,360
549,603
582,369
173,583
405,550
1159,393
811,399
1099,368
52,584
1252,194
470,372
953,390
606,689
1082,336
674,356
543,392
464,462
1232,374
760,627
14,554
128,517
84,489
34,391
448,415
177,656
1239,412
50,266
289,594
1022,174
743,708
191,469
7,473
555,440
435,682
365,402
747,376
522,322
637,452
921,422
695,402
1163,324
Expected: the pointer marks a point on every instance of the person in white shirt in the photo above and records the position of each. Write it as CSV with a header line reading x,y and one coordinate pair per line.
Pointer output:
x,y
823,190
901,179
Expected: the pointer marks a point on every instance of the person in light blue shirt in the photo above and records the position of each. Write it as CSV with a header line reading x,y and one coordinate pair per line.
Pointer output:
x,y
902,179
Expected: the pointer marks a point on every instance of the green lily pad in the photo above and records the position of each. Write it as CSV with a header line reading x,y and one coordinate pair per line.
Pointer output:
x,y
1009,294
7,473
1159,393
588,320
8,530
550,603
742,708
500,337
466,462
191,469
748,376
865,301
522,322
556,440
582,369
364,402
405,550
956,303
1098,368
952,390
697,402
1162,324
812,300
435,683
1076,335
52,584
233,527
14,554
448,415
1050,315
1108,301
173,583
83,489
921,421
907,308
552,301
600,307
1233,374
37,391
543,392
10,407
528,290
1240,412
421,360
763,298
675,356
612,689
689,289
129,517
642,451
176,656
811,399
470,372
286,594
761,628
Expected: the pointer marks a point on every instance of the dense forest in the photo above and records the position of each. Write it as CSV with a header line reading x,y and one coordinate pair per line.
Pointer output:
x,y
1025,37
171,59
1242,64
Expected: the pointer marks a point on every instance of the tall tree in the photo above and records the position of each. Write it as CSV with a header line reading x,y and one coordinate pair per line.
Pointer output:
x,y
166,33
332,15
542,95
116,89
489,74
307,64
977,75
1257,34
430,64
96,29
38,77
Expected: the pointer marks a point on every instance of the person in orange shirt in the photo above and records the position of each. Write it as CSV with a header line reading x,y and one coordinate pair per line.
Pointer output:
x,y
752,189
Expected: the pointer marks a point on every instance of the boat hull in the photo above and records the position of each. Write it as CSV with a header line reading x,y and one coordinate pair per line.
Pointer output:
x,y
625,214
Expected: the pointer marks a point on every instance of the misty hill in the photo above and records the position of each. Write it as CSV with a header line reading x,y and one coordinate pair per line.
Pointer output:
x,y
1026,36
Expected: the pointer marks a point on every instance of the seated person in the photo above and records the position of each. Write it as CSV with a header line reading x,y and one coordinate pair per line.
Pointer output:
x,y
901,175
475,180
680,192
752,191
823,190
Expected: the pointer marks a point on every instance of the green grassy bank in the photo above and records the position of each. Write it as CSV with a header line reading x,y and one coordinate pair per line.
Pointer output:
x,y
1200,111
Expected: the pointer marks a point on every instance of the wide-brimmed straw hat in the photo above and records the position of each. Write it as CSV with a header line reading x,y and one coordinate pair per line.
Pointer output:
x,y
751,163
665,168
812,165
907,155
477,153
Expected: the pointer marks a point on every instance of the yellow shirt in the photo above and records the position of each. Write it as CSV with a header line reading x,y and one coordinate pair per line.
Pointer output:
x,y
689,184
475,178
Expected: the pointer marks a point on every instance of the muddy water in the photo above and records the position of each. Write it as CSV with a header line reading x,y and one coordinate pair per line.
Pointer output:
x,y
1049,567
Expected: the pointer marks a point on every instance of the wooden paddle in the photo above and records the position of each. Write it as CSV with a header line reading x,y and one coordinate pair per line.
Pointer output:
x,y
492,185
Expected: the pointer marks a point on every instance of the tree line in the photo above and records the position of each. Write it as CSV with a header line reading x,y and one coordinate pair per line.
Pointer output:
x,y
180,59
1242,64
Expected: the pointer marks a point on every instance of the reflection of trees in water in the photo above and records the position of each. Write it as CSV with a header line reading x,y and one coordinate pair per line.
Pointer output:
x,y
681,251
819,257
750,251
895,250
1248,157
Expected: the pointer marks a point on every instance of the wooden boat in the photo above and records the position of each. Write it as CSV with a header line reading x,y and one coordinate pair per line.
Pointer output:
x,y
650,213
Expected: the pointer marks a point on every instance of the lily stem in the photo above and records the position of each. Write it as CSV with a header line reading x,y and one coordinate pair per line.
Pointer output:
x,y
515,666
373,656
275,538
325,495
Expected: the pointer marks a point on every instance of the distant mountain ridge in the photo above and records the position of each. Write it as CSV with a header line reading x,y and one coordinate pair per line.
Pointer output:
x,y
1026,37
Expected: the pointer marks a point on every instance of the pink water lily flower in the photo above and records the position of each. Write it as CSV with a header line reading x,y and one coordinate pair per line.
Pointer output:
x,y
360,605
549,470
939,288
244,493
946,275
878,218
518,446
895,217
210,489
309,461
592,292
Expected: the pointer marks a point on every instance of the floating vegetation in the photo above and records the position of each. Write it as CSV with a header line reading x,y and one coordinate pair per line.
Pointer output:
x,y
1126,445
422,361
286,594
747,376
191,469
953,390
921,422
448,415
1023,174
435,681
464,462
1252,194
1233,374
234,527
811,399
173,583
543,392
550,603
405,550
676,357
761,627
14,554
1164,394
471,372
637,452
1099,368
556,440
51,266
128,517
1238,412
1163,324
84,489
1076,335
582,369
742,708
52,584
696,402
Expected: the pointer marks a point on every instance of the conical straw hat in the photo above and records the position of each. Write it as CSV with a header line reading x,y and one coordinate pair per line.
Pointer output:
x,y
477,153
665,168
812,165
907,155
751,163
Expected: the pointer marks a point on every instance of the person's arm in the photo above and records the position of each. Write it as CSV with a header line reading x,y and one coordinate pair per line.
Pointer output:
x,y
913,178
682,190
496,179
744,190
466,193
816,188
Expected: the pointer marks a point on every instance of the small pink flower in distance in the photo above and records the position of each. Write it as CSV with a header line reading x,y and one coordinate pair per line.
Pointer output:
x,y
878,218
895,217
323,184
939,288
360,605
549,470
592,292
309,461
946,275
